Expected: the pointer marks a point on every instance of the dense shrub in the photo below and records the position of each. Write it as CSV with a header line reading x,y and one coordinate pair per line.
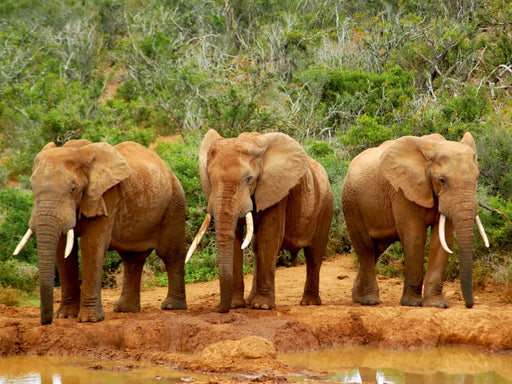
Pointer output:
x,y
18,272
338,77
352,94
15,208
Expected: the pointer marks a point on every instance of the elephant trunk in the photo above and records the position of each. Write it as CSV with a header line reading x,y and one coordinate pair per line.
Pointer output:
x,y
225,226
464,231
49,230
48,236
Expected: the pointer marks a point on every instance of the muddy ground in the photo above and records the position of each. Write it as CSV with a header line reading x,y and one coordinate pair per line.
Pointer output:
x,y
244,342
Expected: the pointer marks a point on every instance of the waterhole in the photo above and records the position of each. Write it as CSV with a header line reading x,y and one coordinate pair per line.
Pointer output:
x,y
444,365
68,370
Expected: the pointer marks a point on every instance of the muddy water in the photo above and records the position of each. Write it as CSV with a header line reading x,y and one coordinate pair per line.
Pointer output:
x,y
445,365
56,370
448,365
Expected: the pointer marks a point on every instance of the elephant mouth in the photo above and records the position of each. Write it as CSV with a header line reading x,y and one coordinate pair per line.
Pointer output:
x,y
202,230
442,238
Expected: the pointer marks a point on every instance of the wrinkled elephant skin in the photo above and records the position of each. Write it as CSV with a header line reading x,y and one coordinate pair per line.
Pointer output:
x,y
396,192
288,195
122,198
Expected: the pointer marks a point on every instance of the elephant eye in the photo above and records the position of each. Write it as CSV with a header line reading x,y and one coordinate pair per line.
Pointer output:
x,y
248,179
441,180
72,190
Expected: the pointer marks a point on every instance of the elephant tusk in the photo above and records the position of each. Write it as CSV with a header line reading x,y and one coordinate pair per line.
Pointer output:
x,y
482,231
199,236
23,242
70,238
442,238
250,230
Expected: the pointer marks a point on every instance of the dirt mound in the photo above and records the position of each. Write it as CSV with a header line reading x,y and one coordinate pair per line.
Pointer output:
x,y
246,341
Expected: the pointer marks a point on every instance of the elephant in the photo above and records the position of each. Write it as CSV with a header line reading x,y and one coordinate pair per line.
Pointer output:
x,y
268,182
123,198
395,192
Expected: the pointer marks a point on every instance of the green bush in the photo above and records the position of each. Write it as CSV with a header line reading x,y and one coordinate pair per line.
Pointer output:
x,y
15,208
466,107
19,275
494,145
366,133
357,93
203,266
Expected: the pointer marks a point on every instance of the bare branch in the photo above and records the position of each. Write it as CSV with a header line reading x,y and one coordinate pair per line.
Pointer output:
x,y
496,211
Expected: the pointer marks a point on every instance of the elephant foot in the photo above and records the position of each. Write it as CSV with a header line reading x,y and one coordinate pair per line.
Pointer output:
x,y
238,302
411,301
309,299
91,315
67,311
262,302
368,299
174,303
125,305
436,301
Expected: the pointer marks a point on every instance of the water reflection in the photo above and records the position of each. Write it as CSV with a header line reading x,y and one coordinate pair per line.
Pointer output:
x,y
446,365
453,365
391,376
57,370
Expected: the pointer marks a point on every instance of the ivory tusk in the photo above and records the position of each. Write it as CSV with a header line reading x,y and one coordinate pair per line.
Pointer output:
x,y
442,238
70,238
250,230
482,231
23,242
199,236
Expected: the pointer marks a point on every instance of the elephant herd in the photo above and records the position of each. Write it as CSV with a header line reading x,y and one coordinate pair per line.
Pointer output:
x,y
125,198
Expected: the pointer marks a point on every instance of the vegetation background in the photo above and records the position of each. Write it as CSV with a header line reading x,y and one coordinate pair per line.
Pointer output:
x,y
338,76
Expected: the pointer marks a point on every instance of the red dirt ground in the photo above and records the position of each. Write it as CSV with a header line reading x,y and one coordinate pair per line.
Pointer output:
x,y
245,342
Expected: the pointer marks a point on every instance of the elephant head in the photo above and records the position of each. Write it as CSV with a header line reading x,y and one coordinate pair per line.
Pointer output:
x,y
432,171
242,175
68,183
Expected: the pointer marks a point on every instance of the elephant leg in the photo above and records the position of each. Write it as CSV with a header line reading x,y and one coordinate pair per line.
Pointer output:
x,y
69,281
414,247
171,249
311,294
365,289
238,300
314,255
269,238
94,242
293,258
176,296
132,271
436,266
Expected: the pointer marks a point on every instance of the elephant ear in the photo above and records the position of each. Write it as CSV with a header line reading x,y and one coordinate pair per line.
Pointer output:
x,y
211,137
48,146
284,162
106,168
404,165
467,139
434,137
76,143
